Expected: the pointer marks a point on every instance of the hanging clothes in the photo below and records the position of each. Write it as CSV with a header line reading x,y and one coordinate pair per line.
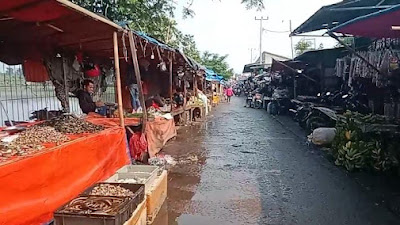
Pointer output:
x,y
35,71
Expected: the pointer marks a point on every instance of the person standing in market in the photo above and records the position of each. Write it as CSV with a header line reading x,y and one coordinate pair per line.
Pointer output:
x,y
229,93
133,88
86,102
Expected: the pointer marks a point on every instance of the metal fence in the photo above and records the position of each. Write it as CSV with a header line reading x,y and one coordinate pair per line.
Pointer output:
x,y
19,98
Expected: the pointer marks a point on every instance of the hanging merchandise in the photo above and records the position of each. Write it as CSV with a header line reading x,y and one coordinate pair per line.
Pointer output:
x,y
94,71
394,63
383,54
35,71
162,66
138,145
152,54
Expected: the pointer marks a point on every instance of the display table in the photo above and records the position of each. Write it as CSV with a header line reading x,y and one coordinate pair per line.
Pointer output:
x,y
32,188
112,122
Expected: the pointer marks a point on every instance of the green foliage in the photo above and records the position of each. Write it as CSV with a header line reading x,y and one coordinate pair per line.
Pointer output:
x,y
156,17
254,4
349,41
150,16
302,46
217,63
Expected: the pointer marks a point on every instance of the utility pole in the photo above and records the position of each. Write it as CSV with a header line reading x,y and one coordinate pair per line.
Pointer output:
x,y
251,54
291,38
261,33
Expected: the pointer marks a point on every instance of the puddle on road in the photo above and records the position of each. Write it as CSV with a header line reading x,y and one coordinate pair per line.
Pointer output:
x,y
199,220
213,183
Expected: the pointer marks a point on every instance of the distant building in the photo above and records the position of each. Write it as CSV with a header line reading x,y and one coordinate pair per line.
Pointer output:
x,y
268,56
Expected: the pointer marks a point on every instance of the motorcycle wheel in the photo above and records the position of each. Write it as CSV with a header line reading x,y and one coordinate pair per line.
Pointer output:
x,y
248,103
257,105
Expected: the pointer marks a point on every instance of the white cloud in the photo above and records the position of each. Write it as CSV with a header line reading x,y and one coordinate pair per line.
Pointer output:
x,y
226,27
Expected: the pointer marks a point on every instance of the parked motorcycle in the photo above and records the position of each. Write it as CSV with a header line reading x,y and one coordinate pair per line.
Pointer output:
x,y
258,101
249,100
318,117
238,92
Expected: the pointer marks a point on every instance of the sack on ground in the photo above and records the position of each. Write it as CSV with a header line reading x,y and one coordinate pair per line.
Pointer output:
x,y
322,136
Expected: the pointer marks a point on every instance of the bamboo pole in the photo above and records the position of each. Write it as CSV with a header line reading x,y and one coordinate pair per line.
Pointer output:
x,y
184,92
170,79
66,88
138,78
184,100
195,84
118,78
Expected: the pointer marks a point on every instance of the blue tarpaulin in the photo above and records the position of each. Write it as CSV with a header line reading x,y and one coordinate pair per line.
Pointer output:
x,y
213,76
153,40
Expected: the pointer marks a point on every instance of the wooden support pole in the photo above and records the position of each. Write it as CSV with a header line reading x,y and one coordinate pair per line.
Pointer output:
x,y
66,87
184,100
184,93
138,78
195,84
118,79
170,79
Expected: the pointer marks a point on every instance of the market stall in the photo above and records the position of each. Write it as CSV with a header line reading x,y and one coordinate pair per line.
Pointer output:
x,y
371,72
36,185
217,90
50,162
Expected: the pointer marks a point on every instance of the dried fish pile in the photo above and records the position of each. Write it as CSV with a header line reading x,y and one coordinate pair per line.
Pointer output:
x,y
31,140
111,190
135,180
69,124
93,204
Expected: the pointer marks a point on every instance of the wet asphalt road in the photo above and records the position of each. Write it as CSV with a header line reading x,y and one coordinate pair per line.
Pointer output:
x,y
244,167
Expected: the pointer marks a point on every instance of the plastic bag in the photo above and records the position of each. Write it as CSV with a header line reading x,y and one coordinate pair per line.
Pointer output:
x,y
138,145
322,136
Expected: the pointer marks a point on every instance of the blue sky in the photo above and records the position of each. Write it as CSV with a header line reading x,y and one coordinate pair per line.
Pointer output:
x,y
226,27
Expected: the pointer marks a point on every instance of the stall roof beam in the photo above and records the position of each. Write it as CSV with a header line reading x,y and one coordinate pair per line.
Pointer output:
x,y
382,24
361,8
333,15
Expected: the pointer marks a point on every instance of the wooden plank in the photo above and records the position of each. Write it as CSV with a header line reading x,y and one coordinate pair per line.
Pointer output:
x,y
86,12
135,62
66,87
156,197
170,79
139,216
118,78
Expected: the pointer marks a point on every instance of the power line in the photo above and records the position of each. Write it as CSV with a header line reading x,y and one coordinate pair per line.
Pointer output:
x,y
275,31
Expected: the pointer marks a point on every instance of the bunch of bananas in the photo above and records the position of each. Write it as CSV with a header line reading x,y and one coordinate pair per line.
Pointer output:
x,y
356,150
382,160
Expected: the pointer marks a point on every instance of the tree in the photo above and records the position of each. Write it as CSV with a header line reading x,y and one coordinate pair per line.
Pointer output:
x,y
349,41
156,18
217,63
302,46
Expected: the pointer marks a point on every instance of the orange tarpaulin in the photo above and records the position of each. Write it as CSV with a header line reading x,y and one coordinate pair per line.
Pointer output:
x,y
158,132
33,188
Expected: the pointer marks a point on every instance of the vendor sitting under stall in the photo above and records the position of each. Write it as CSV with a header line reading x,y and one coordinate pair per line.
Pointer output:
x,y
86,101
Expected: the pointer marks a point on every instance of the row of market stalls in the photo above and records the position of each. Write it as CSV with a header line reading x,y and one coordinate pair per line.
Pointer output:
x,y
353,88
49,161
366,68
